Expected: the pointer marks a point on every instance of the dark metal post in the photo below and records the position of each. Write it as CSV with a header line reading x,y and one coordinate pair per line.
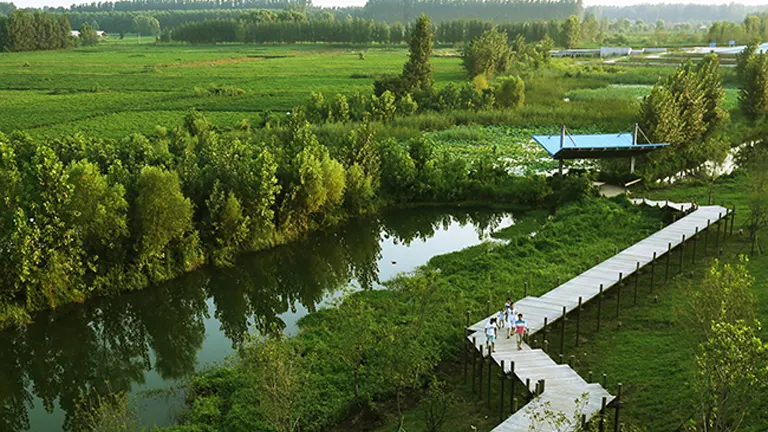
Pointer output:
x,y
512,399
618,407
602,415
733,219
488,387
480,381
682,249
637,279
653,270
618,293
528,388
717,237
474,371
695,236
669,253
464,344
562,333
578,322
501,404
599,306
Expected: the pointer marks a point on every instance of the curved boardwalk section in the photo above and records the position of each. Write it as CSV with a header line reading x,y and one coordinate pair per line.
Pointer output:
x,y
562,385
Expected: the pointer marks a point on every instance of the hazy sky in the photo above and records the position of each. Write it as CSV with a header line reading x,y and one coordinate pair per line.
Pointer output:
x,y
38,3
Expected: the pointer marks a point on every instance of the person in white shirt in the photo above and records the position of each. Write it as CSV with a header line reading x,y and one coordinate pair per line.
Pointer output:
x,y
490,334
510,317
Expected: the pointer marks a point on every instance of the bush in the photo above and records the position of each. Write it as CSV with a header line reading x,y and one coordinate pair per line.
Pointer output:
x,y
510,92
215,90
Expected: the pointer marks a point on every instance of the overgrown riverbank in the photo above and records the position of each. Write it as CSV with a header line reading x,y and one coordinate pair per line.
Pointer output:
x,y
347,362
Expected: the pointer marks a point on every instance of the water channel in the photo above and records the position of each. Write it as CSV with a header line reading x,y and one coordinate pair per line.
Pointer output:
x,y
146,342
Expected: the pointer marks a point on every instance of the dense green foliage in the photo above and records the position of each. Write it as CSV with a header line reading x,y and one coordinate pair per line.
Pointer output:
x,y
487,55
751,28
686,111
117,215
22,31
347,369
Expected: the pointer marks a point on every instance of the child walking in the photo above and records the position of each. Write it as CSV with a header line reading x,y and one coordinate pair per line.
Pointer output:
x,y
520,327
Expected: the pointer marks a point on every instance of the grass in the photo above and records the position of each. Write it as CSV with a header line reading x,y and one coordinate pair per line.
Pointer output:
x,y
648,348
55,92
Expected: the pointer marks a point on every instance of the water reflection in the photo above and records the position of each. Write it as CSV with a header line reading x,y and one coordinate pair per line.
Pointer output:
x,y
164,333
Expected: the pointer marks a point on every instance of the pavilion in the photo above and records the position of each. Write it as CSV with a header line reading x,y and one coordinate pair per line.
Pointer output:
x,y
565,146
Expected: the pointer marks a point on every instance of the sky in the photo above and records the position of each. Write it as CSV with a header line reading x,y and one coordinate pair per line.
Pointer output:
x,y
40,3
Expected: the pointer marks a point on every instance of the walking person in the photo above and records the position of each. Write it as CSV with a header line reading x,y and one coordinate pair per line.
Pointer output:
x,y
510,317
490,334
501,318
520,328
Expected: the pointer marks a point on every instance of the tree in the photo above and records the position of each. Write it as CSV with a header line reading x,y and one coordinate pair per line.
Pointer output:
x,y
487,55
417,72
227,227
163,220
146,24
732,371
725,294
757,194
88,35
571,32
276,371
383,107
752,70
436,403
339,109
510,92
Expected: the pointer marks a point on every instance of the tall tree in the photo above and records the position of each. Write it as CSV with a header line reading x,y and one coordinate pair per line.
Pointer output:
x,y
417,72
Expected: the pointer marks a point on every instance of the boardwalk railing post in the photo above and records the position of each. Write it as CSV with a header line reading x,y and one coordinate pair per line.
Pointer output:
x,y
618,293
544,332
474,370
480,381
489,307
501,404
717,237
733,219
669,253
637,280
706,238
725,224
464,344
512,398
653,270
528,388
488,387
525,290
605,380
602,415
599,306
578,322
597,259
562,333
618,407
682,248
590,380
695,236
584,424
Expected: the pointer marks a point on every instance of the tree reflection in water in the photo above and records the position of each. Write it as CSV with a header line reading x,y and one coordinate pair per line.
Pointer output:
x,y
109,344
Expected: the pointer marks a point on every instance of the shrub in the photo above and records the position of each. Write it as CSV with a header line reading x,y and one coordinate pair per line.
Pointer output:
x,y
510,92
406,105
383,107
215,90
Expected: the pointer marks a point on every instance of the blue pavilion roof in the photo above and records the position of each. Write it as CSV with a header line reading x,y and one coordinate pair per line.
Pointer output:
x,y
592,146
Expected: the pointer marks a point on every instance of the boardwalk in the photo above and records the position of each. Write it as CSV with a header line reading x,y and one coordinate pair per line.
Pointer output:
x,y
562,385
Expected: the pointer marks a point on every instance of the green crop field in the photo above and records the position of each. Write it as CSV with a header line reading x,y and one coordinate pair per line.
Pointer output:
x,y
119,88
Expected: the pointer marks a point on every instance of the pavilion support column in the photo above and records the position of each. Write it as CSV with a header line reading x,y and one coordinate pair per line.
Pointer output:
x,y
561,167
632,165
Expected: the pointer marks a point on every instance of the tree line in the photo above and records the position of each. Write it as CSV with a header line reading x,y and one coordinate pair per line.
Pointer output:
x,y
753,27
677,12
22,31
184,5
496,10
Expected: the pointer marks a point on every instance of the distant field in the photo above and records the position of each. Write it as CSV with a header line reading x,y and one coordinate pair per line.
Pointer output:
x,y
118,88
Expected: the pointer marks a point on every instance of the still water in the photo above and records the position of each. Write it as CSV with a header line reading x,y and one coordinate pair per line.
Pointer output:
x,y
146,342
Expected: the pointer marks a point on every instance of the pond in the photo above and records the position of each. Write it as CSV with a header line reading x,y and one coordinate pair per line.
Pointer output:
x,y
148,341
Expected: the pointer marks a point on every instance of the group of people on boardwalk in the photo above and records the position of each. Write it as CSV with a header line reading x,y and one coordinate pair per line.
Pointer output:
x,y
511,319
